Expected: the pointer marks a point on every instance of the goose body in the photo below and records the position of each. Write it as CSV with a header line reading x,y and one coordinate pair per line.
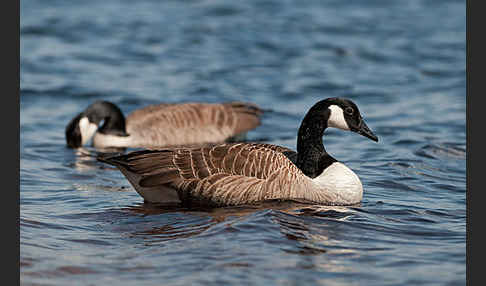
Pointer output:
x,y
246,173
161,125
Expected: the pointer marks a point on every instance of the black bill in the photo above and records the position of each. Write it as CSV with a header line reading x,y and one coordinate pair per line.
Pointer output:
x,y
366,131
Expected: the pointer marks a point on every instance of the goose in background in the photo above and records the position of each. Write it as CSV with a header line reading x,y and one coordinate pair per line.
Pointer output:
x,y
161,125
247,173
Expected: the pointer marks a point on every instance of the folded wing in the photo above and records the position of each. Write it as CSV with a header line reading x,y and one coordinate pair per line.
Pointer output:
x,y
224,174
192,123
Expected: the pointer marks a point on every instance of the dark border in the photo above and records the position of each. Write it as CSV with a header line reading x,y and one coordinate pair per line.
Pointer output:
x,y
468,142
10,116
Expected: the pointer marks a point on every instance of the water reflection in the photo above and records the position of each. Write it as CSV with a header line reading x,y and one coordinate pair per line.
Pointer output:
x,y
85,158
305,227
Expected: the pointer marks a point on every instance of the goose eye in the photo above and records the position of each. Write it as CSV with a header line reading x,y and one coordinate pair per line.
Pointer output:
x,y
349,110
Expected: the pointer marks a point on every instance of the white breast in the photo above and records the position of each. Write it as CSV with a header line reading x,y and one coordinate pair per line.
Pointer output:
x,y
342,182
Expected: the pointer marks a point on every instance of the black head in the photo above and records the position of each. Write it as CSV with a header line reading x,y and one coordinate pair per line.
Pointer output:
x,y
344,114
312,158
82,127
73,132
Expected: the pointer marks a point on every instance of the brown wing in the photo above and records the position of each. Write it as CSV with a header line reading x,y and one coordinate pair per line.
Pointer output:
x,y
224,174
247,115
191,123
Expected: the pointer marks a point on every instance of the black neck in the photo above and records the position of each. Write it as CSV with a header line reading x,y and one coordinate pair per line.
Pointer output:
x,y
312,157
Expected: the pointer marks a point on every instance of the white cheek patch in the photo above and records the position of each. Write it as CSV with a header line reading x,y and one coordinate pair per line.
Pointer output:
x,y
336,119
87,130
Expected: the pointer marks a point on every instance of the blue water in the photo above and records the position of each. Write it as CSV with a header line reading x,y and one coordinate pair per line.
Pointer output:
x,y
402,62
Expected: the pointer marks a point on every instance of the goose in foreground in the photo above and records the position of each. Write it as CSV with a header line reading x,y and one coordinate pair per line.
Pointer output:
x,y
246,173
161,125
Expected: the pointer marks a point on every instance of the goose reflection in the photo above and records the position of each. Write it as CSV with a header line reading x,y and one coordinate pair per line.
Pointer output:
x,y
85,158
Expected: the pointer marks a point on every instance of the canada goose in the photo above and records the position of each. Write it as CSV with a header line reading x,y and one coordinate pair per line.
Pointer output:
x,y
161,125
246,173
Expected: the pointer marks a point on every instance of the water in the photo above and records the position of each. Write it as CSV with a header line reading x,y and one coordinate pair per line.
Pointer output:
x,y
402,62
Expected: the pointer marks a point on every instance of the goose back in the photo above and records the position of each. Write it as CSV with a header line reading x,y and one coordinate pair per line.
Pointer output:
x,y
190,123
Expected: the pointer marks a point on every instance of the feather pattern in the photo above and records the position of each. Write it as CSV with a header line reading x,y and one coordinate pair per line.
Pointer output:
x,y
223,174
190,123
